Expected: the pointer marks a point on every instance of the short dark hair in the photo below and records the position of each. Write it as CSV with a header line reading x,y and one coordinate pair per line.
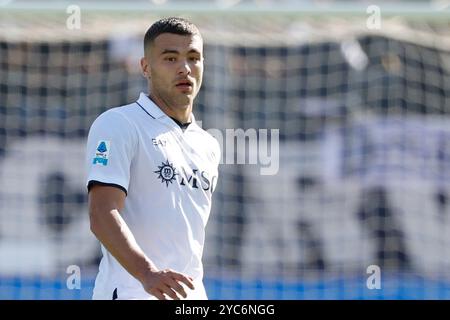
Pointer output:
x,y
169,25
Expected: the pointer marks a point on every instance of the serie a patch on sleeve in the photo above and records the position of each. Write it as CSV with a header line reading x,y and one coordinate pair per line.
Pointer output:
x,y
102,153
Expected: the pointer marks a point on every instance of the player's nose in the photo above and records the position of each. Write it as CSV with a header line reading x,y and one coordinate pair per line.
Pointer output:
x,y
184,68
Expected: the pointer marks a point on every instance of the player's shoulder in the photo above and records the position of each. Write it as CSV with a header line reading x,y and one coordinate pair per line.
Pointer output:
x,y
119,117
115,125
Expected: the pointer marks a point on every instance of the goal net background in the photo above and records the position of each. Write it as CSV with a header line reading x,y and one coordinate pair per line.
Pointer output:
x,y
363,168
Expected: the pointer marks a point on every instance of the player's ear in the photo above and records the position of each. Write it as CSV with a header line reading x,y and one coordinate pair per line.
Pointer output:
x,y
145,67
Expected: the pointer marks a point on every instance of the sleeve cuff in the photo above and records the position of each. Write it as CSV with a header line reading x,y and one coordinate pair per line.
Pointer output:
x,y
95,182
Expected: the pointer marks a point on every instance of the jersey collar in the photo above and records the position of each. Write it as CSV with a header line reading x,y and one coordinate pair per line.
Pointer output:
x,y
156,113
150,107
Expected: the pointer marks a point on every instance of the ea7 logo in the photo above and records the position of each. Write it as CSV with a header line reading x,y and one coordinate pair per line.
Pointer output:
x,y
159,142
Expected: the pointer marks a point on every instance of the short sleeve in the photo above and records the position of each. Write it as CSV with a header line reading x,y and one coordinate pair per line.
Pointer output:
x,y
110,149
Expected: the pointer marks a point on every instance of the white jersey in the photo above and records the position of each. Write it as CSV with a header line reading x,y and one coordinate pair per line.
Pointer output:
x,y
169,176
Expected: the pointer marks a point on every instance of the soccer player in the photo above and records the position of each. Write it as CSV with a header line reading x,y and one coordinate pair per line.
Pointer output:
x,y
151,172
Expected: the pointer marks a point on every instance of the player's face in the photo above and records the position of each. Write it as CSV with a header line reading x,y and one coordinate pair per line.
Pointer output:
x,y
175,68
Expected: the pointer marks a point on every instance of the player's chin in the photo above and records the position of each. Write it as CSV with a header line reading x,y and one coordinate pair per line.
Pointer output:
x,y
185,94
183,99
185,90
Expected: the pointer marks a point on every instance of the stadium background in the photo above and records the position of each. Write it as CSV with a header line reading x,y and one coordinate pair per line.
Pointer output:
x,y
363,119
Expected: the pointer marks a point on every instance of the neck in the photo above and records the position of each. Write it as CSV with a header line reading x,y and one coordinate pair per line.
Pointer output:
x,y
182,113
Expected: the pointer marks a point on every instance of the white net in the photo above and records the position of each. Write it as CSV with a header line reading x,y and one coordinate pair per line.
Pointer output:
x,y
359,177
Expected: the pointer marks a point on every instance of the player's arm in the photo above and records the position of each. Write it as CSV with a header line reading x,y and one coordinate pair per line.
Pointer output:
x,y
105,204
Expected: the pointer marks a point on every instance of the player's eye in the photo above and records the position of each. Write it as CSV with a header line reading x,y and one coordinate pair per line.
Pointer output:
x,y
170,59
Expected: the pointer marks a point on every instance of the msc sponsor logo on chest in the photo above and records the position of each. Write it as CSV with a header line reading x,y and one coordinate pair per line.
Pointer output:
x,y
198,179
166,172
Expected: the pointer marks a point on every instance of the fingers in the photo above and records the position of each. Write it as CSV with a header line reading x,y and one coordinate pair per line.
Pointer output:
x,y
158,294
170,292
186,280
165,290
177,287
168,283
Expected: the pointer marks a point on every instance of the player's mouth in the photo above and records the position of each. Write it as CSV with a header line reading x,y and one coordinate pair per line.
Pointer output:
x,y
184,85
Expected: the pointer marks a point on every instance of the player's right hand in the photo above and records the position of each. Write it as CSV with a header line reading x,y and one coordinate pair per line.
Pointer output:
x,y
167,283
